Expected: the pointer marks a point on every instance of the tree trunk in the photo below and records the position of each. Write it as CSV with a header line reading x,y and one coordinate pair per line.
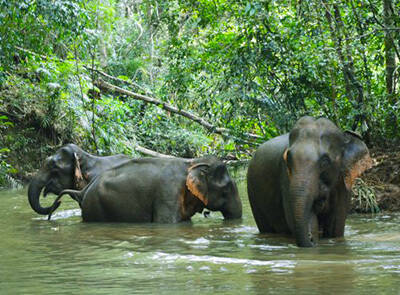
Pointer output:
x,y
338,47
388,19
353,86
390,58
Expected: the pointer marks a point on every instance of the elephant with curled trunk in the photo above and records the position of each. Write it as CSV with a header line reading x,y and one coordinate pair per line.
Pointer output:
x,y
69,168
162,190
300,182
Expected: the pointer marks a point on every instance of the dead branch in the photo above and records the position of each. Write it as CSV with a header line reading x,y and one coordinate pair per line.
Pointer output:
x,y
130,83
223,131
107,86
148,152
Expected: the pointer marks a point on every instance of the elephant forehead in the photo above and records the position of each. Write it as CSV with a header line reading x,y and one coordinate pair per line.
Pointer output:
x,y
317,138
309,127
331,142
302,134
304,154
313,149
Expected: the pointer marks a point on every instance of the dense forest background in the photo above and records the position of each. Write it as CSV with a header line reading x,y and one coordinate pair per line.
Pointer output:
x,y
188,78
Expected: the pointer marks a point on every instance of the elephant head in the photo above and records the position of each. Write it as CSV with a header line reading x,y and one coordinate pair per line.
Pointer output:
x,y
209,181
69,168
321,163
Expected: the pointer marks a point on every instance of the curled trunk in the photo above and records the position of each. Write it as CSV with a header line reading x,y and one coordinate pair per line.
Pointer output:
x,y
34,190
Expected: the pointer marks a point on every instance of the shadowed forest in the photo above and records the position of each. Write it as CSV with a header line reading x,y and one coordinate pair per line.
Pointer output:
x,y
190,78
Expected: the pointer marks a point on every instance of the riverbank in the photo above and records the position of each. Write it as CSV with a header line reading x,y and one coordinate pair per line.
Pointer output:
x,y
384,178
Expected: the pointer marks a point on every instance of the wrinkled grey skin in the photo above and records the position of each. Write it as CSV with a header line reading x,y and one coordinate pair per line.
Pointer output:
x,y
163,190
69,168
299,182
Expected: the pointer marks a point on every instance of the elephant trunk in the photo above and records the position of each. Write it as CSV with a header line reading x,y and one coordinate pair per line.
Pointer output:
x,y
233,210
301,224
302,216
34,190
233,206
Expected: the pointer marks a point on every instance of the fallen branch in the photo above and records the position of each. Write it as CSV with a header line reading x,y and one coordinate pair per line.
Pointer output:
x,y
148,152
130,83
110,87
105,85
37,54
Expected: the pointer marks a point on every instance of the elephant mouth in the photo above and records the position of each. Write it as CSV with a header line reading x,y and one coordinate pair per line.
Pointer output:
x,y
319,205
50,188
321,201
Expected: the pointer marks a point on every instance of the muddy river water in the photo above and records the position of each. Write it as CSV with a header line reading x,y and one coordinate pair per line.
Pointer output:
x,y
205,256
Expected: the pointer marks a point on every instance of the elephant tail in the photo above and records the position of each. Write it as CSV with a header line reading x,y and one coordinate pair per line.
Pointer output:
x,y
76,195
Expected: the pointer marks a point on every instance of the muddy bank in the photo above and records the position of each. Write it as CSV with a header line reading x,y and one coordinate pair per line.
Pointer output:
x,y
383,178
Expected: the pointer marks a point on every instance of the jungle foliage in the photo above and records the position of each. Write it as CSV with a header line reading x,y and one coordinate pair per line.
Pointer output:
x,y
250,68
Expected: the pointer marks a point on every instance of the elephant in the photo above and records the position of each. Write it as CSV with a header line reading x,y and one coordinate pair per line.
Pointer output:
x,y
299,183
161,190
69,168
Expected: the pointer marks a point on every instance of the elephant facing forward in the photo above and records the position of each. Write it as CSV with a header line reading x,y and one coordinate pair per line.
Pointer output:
x,y
69,168
300,182
163,190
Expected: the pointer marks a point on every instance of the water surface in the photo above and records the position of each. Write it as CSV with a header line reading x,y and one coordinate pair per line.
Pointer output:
x,y
207,255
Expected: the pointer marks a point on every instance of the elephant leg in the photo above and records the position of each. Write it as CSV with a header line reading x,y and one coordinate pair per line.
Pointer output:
x,y
166,207
340,215
313,228
334,218
92,208
261,220
92,211
166,213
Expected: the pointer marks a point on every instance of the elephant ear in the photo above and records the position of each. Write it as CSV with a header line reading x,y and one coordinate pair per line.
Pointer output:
x,y
80,181
356,158
285,159
196,181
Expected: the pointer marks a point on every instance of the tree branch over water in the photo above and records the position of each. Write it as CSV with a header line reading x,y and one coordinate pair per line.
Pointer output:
x,y
113,88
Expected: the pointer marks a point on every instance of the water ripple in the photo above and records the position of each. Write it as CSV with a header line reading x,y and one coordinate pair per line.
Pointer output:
x,y
222,260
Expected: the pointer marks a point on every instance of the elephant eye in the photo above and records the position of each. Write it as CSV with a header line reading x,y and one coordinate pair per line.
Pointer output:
x,y
325,162
53,164
61,165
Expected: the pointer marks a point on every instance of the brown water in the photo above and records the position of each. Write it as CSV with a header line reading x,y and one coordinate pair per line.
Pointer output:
x,y
207,255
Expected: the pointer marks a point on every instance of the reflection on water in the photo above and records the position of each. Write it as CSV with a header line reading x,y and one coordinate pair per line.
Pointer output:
x,y
207,255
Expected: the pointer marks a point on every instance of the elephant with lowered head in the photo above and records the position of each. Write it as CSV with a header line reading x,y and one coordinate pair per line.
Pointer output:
x,y
163,190
300,182
69,168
